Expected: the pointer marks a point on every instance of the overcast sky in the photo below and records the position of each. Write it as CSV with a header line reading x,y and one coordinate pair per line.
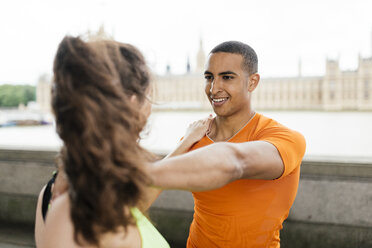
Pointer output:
x,y
168,31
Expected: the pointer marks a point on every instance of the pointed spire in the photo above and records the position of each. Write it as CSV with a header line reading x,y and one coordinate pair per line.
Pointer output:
x,y
200,63
168,69
101,31
188,67
359,59
100,34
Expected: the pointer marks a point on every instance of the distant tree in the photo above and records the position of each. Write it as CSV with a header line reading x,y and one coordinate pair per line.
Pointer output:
x,y
13,95
29,93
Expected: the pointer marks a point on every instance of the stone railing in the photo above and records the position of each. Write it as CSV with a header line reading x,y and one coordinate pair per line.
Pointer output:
x,y
333,207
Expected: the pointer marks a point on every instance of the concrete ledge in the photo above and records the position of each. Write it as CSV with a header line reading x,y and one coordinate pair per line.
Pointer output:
x,y
28,156
172,224
176,200
17,208
307,235
337,202
311,165
14,235
332,208
337,167
24,178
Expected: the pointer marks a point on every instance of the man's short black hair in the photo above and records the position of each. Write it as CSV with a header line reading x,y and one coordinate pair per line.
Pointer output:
x,y
250,59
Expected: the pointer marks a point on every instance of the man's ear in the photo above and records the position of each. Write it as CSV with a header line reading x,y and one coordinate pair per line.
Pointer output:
x,y
254,79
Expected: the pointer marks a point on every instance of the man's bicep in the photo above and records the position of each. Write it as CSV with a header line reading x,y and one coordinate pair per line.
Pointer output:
x,y
261,159
291,148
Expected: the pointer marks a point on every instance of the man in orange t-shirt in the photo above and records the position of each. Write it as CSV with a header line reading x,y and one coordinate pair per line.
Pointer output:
x,y
244,172
249,212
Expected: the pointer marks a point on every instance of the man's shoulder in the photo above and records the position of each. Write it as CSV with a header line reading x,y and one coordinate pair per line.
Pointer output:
x,y
265,122
266,125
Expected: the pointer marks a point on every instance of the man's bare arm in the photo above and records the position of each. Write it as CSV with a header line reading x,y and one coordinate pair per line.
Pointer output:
x,y
216,165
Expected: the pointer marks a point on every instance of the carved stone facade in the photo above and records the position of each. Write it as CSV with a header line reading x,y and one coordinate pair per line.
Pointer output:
x,y
179,92
43,88
337,90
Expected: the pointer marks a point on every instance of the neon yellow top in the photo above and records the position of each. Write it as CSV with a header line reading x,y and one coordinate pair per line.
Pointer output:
x,y
150,236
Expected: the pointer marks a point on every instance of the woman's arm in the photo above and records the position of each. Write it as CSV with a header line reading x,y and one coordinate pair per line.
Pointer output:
x,y
194,133
39,221
59,230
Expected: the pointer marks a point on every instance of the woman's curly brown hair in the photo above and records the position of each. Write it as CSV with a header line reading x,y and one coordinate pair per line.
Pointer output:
x,y
93,82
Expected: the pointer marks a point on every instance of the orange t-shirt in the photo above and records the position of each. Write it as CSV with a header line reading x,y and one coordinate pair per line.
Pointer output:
x,y
248,212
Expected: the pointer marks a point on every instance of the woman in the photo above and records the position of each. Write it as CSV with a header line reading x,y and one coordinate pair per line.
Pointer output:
x,y
100,101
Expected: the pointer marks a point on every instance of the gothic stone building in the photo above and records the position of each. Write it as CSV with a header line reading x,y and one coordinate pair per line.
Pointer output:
x,y
337,90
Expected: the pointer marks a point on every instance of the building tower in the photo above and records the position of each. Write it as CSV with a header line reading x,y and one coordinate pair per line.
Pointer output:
x,y
299,67
188,66
100,34
200,60
43,93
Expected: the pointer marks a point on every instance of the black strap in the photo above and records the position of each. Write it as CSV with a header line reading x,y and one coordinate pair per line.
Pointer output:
x,y
47,195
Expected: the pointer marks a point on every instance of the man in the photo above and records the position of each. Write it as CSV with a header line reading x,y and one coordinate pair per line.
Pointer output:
x,y
244,173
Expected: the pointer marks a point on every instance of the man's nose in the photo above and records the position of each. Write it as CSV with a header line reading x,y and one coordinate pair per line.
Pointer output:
x,y
215,86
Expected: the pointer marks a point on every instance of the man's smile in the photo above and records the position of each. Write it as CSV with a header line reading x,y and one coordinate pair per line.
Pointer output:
x,y
218,101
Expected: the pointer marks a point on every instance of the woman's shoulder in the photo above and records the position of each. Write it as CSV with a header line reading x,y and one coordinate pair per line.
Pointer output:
x,y
59,212
59,228
122,238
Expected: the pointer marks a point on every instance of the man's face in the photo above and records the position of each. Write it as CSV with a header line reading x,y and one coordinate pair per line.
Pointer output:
x,y
226,84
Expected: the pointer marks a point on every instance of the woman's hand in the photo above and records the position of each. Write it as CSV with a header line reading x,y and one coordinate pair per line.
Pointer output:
x,y
198,129
194,133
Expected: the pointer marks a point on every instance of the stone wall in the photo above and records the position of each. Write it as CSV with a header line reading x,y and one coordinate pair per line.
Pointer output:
x,y
333,207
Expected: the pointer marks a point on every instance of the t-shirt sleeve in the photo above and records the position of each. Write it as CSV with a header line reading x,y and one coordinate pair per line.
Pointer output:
x,y
290,144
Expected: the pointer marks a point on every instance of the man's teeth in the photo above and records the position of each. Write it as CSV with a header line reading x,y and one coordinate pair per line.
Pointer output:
x,y
219,99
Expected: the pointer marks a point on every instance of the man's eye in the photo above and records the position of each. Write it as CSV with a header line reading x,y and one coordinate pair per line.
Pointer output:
x,y
227,77
208,77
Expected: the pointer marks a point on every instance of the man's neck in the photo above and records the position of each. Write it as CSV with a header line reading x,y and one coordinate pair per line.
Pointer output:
x,y
224,128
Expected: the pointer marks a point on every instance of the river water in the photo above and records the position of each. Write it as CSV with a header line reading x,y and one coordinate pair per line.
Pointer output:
x,y
346,134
